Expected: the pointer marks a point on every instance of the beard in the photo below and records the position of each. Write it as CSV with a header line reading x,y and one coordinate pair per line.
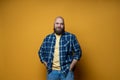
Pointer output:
x,y
59,31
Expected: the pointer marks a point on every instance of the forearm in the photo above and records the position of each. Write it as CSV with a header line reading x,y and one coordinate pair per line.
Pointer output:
x,y
73,64
45,63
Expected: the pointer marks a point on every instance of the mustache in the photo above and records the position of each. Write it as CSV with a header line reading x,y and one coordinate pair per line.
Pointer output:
x,y
59,32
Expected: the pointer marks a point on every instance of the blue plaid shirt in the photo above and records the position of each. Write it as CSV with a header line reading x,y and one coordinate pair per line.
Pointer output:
x,y
69,49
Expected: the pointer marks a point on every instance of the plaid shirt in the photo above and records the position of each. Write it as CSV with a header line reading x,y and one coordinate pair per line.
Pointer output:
x,y
69,49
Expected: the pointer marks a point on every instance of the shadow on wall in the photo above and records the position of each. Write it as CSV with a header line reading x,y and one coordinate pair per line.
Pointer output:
x,y
80,71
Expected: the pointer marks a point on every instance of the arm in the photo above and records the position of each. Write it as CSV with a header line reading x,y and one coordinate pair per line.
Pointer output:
x,y
77,52
73,64
42,52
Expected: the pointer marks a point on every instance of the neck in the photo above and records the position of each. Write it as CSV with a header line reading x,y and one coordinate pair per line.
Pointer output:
x,y
57,34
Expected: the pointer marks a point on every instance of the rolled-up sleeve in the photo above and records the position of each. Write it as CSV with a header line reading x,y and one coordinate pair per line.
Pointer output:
x,y
76,48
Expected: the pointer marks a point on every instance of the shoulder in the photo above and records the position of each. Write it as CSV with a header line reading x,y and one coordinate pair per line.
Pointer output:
x,y
69,34
49,36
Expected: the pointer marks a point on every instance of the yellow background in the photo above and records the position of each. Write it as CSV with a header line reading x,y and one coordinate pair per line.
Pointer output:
x,y
25,23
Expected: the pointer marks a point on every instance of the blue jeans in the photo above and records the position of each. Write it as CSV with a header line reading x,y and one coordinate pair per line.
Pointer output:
x,y
57,75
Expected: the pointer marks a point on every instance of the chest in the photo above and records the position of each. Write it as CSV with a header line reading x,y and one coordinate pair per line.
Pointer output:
x,y
63,44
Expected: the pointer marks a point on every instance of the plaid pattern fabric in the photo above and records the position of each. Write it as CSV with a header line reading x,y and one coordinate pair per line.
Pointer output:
x,y
69,49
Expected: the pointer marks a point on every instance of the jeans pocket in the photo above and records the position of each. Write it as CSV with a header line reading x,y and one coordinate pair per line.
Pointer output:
x,y
71,72
70,75
49,76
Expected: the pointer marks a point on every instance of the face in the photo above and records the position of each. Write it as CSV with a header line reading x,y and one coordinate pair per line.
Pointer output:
x,y
59,26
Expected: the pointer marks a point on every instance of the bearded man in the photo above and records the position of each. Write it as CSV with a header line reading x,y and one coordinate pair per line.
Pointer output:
x,y
59,52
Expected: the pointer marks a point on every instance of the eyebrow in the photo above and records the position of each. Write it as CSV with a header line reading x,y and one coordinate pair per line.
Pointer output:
x,y
58,23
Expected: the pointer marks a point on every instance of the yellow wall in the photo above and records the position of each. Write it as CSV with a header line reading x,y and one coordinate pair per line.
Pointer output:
x,y
24,24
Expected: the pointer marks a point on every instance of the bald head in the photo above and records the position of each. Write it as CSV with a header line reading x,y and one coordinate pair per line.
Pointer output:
x,y
59,17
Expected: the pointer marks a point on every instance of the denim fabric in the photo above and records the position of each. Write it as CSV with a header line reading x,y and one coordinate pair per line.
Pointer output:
x,y
57,75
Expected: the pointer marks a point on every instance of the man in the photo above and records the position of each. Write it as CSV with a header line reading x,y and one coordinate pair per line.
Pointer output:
x,y
59,52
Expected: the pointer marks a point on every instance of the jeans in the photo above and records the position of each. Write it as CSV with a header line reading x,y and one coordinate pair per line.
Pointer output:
x,y
57,75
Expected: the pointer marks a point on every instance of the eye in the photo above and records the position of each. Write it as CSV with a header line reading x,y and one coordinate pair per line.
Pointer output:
x,y
61,23
57,23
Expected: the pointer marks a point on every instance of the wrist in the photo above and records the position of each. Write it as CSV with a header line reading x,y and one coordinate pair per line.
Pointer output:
x,y
71,67
45,63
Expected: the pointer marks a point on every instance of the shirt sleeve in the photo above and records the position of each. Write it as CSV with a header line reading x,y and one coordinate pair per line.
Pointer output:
x,y
76,48
42,52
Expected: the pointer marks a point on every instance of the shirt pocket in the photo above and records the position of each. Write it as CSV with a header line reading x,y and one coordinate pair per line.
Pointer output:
x,y
67,48
66,44
49,46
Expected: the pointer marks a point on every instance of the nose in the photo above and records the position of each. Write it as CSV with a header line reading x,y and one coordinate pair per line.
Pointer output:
x,y
59,25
